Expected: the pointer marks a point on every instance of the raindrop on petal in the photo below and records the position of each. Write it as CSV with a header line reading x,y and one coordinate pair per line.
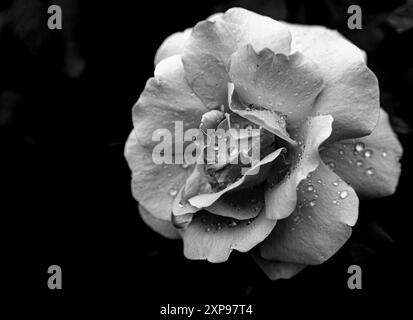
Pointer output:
x,y
367,153
232,224
172,192
359,146
370,171
343,194
359,163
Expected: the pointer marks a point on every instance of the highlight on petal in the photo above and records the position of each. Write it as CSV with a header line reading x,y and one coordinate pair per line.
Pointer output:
x,y
281,197
154,186
276,270
207,199
286,84
319,226
370,164
163,227
172,45
350,93
207,52
212,237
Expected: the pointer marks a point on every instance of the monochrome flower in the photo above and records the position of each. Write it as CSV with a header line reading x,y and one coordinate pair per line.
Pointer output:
x,y
310,107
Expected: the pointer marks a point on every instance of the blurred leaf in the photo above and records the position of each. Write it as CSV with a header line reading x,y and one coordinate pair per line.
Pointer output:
x,y
402,18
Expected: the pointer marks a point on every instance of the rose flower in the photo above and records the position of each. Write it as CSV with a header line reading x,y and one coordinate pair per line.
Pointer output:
x,y
299,98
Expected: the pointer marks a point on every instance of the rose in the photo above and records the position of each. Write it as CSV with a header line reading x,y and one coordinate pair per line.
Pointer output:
x,y
324,141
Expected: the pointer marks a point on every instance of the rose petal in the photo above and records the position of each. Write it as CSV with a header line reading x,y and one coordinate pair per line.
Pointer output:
x,y
281,198
154,186
320,225
207,199
350,93
213,237
276,270
287,84
172,45
209,48
240,204
370,164
167,98
163,227
266,118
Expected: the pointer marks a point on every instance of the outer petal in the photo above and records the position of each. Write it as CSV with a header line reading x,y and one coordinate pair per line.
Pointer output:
x,y
212,237
281,198
370,164
351,92
167,98
287,84
162,227
319,226
276,270
209,48
153,185
173,45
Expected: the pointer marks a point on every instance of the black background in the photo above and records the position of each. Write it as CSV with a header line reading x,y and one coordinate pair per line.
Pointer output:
x,y
67,199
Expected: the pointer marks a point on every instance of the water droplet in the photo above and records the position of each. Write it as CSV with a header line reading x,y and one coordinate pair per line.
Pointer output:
x,y
367,153
359,163
207,229
334,201
359,146
341,152
370,171
310,188
343,194
172,192
384,154
336,183
312,203
331,164
232,224
319,181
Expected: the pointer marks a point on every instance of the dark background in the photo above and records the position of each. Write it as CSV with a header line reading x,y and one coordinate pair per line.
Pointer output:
x,y
65,113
